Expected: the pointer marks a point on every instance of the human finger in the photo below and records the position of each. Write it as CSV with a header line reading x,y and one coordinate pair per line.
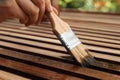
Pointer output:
x,y
30,9
41,5
48,6
10,9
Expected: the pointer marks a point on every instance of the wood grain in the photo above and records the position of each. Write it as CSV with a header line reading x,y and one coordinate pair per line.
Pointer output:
x,y
36,51
9,76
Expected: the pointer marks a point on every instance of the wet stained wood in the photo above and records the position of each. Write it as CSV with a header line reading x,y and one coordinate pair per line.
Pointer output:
x,y
35,51
63,65
37,71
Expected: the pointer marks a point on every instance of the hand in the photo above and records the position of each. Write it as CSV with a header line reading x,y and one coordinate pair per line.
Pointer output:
x,y
10,9
28,11
55,4
55,8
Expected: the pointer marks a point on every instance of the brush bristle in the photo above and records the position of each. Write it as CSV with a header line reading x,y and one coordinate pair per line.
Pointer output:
x,y
88,61
73,45
89,58
82,56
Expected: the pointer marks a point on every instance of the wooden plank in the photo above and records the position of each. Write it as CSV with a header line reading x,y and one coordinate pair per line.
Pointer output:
x,y
37,71
78,31
24,56
38,46
95,26
84,24
28,32
86,41
31,37
91,18
33,43
96,48
9,76
69,10
42,51
50,46
61,65
34,50
78,35
76,28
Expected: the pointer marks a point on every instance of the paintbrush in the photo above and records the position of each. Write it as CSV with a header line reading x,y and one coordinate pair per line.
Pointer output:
x,y
70,41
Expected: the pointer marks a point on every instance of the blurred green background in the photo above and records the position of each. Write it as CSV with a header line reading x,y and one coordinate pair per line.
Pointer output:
x,y
92,5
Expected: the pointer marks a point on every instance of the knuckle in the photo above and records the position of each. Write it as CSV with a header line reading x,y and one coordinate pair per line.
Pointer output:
x,y
36,11
34,15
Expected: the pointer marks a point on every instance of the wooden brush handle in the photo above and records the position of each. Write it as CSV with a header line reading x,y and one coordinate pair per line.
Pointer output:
x,y
58,25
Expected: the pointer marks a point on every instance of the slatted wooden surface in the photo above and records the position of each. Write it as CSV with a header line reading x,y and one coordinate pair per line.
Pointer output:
x,y
35,53
9,76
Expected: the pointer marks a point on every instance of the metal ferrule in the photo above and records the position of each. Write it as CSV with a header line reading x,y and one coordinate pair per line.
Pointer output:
x,y
69,39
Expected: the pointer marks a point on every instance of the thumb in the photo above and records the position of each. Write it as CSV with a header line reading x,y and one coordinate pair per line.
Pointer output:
x,y
48,6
